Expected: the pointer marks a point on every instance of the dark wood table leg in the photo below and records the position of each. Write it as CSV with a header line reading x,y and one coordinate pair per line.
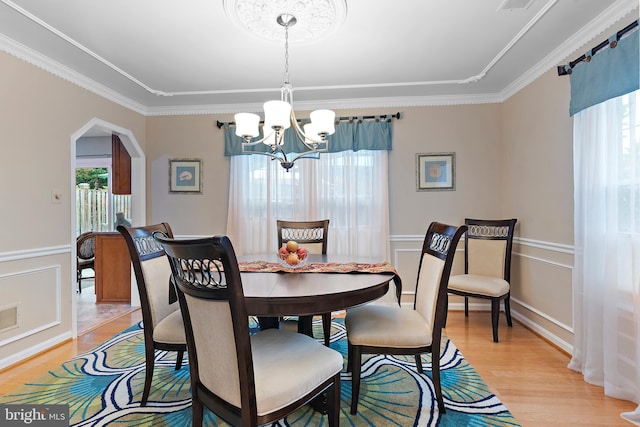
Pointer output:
x,y
305,325
268,323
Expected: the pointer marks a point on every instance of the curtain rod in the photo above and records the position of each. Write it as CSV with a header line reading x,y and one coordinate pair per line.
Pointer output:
x,y
338,119
562,69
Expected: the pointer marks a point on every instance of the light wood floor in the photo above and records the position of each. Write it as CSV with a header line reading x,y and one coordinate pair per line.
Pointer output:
x,y
529,375
91,314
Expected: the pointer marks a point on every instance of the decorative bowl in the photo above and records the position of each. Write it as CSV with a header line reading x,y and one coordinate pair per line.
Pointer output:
x,y
282,259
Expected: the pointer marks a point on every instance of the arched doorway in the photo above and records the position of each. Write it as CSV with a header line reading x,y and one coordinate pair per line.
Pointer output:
x,y
97,128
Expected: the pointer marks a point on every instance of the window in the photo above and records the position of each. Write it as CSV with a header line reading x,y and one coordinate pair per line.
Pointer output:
x,y
629,161
348,188
97,208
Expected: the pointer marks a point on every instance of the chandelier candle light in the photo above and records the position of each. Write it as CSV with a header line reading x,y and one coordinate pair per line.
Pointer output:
x,y
279,116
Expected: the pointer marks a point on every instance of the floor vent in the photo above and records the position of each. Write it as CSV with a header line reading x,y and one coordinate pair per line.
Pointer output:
x,y
8,318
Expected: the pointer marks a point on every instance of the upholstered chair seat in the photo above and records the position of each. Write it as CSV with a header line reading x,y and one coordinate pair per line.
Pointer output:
x,y
478,284
387,326
170,330
281,366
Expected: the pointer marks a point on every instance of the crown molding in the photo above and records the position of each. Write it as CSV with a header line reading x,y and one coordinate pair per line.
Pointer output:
x,y
47,64
339,104
615,13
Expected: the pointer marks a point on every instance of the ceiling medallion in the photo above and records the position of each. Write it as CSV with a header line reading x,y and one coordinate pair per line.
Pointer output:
x,y
316,18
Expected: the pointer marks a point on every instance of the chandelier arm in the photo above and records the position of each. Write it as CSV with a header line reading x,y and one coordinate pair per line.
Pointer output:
x,y
272,157
303,136
294,122
306,153
278,148
273,154
250,142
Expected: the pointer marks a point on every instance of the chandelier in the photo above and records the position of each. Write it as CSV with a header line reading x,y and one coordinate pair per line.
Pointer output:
x,y
279,116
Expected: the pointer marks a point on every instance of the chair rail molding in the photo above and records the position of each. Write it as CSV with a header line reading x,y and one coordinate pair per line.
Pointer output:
x,y
34,253
541,244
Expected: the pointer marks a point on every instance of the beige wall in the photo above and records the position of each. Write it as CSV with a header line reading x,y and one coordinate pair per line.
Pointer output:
x,y
512,160
538,190
473,133
179,137
38,114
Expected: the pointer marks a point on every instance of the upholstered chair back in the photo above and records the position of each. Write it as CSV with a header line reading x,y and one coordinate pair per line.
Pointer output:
x,y
213,336
486,257
438,251
488,248
157,274
431,269
152,271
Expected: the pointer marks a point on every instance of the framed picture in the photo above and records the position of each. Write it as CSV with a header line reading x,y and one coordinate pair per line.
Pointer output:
x,y
185,176
435,171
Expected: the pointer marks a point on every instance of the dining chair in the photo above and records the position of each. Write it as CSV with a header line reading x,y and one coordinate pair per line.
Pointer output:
x,y
85,255
245,379
396,330
487,267
162,322
313,235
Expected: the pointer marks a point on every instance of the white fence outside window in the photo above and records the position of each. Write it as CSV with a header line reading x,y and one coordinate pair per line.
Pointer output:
x,y
93,211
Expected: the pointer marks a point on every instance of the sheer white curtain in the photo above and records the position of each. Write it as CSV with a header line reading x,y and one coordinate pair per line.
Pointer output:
x,y
348,188
607,241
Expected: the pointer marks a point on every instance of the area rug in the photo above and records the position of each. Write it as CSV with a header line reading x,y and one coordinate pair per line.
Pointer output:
x,y
103,387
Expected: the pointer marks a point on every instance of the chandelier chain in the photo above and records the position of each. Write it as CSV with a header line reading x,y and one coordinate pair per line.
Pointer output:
x,y
286,54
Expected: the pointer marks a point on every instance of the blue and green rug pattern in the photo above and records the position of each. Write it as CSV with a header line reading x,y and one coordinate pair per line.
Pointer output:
x,y
103,387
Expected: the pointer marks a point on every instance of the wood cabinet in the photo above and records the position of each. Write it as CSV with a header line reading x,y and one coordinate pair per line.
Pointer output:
x,y
120,167
112,267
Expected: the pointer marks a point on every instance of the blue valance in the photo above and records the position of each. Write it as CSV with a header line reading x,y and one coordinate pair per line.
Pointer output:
x,y
612,72
354,135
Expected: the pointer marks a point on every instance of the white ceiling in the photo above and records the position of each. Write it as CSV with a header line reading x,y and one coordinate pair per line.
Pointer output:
x,y
167,56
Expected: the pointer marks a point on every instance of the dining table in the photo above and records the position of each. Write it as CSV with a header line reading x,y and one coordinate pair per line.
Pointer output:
x,y
325,283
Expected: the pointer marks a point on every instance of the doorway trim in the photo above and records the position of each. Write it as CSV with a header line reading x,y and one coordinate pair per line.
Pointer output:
x,y
138,194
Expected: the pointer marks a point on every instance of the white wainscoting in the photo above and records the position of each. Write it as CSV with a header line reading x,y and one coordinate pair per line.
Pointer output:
x,y
31,281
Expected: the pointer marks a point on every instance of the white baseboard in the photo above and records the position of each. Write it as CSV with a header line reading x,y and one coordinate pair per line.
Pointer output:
x,y
34,350
529,324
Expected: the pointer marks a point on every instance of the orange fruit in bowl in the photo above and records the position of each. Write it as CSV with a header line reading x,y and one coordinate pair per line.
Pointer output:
x,y
292,259
292,246
302,252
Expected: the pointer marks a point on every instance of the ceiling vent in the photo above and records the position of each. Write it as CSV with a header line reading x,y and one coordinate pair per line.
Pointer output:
x,y
515,4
